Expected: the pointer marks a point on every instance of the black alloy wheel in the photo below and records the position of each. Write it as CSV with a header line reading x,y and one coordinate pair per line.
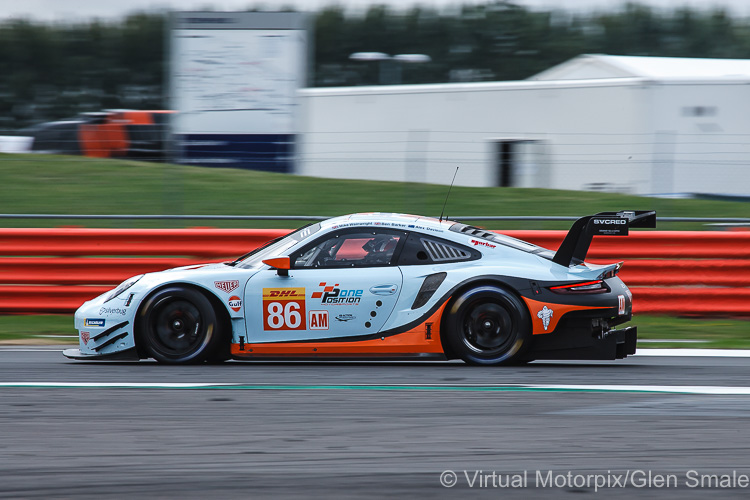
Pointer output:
x,y
488,325
179,325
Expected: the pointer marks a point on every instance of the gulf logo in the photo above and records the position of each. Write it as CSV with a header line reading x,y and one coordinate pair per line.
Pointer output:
x,y
235,303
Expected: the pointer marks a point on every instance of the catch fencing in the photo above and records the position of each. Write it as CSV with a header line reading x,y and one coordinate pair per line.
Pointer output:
x,y
686,273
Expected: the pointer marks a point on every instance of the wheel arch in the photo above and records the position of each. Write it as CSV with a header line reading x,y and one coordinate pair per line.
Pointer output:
x,y
221,310
459,290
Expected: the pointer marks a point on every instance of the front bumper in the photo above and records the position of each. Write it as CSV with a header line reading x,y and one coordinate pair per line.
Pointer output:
x,y
103,328
128,355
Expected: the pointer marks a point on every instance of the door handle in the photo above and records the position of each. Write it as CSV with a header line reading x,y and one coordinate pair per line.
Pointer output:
x,y
383,289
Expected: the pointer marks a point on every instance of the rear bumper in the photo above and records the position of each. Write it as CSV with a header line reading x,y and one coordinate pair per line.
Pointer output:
x,y
614,344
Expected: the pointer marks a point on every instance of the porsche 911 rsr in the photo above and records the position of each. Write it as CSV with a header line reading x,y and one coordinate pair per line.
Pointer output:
x,y
377,286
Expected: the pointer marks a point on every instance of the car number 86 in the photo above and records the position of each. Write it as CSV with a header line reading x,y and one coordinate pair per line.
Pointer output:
x,y
287,315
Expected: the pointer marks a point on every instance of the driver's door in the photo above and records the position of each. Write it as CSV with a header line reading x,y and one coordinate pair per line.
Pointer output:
x,y
344,284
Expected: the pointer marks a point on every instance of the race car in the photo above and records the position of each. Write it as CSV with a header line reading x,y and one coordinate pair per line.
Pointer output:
x,y
375,286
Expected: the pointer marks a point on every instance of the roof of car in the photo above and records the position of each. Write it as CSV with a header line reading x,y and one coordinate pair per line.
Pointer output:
x,y
405,221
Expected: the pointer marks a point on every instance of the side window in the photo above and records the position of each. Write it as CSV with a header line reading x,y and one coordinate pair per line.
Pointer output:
x,y
421,249
364,248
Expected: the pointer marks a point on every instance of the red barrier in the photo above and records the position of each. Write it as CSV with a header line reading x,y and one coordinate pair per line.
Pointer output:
x,y
46,299
653,244
76,271
692,301
675,272
207,243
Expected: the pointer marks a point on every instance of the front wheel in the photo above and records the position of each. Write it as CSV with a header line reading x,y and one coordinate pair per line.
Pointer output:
x,y
179,325
488,325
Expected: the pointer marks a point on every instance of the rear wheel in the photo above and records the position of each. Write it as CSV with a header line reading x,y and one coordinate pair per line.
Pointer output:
x,y
179,325
488,325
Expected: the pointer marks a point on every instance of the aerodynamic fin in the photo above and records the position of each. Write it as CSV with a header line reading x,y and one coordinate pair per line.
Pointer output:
x,y
576,244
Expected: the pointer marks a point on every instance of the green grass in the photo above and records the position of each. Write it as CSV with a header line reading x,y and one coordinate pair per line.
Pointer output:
x,y
718,333
77,185
38,328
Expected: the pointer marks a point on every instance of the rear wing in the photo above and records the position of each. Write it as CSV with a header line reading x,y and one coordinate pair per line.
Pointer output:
x,y
576,244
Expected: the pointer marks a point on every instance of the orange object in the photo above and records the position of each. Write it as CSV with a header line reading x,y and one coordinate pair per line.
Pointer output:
x,y
559,310
279,263
424,338
109,136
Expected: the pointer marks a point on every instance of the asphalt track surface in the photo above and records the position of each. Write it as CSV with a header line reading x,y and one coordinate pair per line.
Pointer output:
x,y
73,429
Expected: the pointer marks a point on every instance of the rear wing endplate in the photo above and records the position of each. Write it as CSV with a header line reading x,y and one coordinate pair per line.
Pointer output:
x,y
576,244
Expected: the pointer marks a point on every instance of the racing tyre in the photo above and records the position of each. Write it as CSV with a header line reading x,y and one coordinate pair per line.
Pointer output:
x,y
488,325
179,325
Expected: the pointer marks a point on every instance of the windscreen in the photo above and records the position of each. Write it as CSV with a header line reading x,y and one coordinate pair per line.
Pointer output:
x,y
277,247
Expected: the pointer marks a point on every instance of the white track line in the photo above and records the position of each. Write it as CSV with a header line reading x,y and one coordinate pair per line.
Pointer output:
x,y
28,349
115,385
676,389
663,389
691,353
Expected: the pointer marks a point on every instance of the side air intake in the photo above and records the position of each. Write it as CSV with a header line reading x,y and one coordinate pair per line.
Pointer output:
x,y
429,287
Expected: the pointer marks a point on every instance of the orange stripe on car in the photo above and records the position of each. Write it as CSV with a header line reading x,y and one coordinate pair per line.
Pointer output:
x,y
553,312
423,338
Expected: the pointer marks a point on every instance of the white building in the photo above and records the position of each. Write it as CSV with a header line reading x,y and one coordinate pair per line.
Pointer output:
x,y
642,125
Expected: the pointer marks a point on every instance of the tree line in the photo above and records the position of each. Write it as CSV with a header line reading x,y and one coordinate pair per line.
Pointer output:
x,y
52,71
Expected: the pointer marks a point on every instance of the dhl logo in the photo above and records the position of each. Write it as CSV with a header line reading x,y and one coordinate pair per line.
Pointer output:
x,y
283,293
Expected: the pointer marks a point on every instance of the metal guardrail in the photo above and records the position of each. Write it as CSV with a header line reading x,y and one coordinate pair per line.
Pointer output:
x,y
706,220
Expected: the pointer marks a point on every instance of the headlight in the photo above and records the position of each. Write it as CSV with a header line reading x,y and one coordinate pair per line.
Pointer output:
x,y
122,287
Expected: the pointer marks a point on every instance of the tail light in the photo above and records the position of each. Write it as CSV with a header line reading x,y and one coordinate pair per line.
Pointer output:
x,y
598,286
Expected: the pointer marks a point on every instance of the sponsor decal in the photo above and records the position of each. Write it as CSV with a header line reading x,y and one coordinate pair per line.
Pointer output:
x,y
284,293
284,309
227,286
85,336
97,322
333,295
113,310
318,320
483,243
235,303
621,304
545,315
610,226
345,317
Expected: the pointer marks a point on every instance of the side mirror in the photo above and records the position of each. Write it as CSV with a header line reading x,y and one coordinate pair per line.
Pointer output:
x,y
281,264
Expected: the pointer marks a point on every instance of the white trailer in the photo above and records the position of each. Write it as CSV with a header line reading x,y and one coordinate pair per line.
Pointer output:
x,y
618,129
